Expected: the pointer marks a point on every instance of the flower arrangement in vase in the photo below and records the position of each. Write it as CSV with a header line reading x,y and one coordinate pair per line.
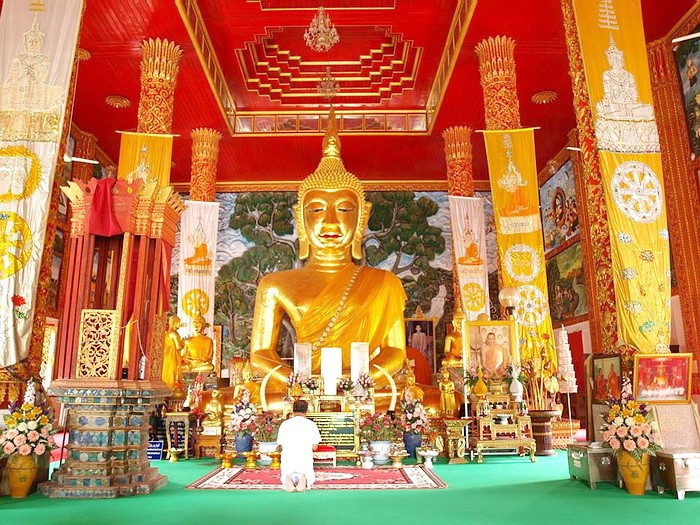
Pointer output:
x,y
294,385
267,426
345,384
414,422
540,375
379,430
243,422
311,384
630,432
28,435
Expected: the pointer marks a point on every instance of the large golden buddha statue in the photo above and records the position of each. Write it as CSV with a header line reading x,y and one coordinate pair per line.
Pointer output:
x,y
453,341
198,352
331,302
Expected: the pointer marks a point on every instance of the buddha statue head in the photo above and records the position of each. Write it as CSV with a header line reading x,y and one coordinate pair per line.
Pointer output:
x,y
199,324
247,372
410,379
445,374
458,318
331,211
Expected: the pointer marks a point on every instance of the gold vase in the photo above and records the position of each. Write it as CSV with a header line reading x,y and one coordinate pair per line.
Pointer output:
x,y
21,471
634,471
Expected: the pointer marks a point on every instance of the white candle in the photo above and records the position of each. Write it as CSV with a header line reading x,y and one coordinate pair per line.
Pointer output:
x,y
302,359
331,369
359,360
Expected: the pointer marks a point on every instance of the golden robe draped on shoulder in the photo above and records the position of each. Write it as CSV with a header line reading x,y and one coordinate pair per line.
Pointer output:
x,y
375,304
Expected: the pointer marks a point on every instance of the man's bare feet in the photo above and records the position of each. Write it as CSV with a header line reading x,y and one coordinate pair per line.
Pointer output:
x,y
301,486
288,485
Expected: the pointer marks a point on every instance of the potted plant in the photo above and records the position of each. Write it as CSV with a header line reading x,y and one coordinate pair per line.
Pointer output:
x,y
414,422
629,431
379,430
28,436
243,421
267,426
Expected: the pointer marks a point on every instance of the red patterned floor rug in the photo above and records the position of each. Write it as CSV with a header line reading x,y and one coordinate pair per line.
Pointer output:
x,y
338,478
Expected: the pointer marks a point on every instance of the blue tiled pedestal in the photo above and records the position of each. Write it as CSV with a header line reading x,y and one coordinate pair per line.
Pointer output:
x,y
107,424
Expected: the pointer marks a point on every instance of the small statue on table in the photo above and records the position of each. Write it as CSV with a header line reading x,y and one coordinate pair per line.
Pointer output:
x,y
249,385
447,394
213,414
198,349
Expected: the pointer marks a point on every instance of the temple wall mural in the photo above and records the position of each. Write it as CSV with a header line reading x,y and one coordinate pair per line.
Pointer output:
x,y
409,234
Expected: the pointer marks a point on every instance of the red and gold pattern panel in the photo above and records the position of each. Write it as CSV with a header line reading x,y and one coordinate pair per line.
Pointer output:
x,y
386,68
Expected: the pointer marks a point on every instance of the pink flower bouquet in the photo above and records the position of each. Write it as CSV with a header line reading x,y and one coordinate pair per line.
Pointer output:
x,y
379,427
414,419
628,427
28,430
243,416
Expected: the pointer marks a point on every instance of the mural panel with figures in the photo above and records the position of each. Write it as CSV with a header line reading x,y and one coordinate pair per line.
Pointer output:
x,y
559,208
688,62
257,236
566,286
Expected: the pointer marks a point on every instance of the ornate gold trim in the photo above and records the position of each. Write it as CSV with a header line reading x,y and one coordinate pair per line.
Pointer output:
x,y
555,163
374,185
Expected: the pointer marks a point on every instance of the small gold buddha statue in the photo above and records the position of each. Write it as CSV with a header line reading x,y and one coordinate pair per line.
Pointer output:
x,y
480,389
453,341
414,390
331,302
447,394
214,412
248,384
172,346
198,349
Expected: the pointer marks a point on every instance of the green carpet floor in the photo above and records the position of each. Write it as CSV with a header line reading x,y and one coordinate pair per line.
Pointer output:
x,y
502,490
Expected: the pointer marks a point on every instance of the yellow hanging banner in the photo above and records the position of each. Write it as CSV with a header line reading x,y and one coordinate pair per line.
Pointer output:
x,y
617,74
513,174
145,156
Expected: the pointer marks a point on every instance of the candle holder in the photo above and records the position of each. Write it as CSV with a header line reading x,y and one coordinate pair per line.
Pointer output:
x,y
276,455
250,458
227,460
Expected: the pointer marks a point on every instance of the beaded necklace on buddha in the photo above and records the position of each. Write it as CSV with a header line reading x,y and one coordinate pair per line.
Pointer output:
x,y
341,304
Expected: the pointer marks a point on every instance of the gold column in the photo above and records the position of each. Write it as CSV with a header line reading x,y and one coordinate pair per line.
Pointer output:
x,y
497,69
681,186
595,236
205,155
159,68
85,148
460,179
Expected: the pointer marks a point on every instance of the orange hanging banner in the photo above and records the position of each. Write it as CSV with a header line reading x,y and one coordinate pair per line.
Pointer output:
x,y
614,53
513,174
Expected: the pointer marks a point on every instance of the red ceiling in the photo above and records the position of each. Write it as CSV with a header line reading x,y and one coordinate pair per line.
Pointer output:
x,y
113,29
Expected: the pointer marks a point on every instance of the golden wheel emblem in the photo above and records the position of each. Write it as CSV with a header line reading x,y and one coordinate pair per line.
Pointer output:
x,y
474,297
15,243
20,170
195,302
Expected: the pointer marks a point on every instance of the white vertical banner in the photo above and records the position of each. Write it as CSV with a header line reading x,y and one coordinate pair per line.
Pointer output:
x,y
36,60
199,225
469,245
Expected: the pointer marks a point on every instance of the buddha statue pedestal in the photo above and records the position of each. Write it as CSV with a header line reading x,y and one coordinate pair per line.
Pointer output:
x,y
108,429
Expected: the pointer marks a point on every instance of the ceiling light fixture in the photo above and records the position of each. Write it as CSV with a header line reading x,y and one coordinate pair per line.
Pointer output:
x,y
545,97
321,35
117,101
328,86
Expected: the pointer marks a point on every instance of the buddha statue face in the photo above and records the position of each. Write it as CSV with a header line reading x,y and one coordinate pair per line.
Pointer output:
x,y
215,394
410,380
445,374
330,218
247,374
198,324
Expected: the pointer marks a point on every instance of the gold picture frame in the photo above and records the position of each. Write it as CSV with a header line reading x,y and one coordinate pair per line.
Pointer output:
x,y
475,335
663,378
424,344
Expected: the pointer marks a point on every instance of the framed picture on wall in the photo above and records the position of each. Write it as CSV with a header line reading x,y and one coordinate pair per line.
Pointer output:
x,y
420,335
606,378
662,378
492,344
560,222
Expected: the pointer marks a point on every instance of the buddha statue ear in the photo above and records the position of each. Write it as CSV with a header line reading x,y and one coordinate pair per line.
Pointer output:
x,y
356,251
303,238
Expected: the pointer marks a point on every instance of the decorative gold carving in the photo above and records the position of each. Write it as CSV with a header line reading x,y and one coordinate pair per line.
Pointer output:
x,y
458,155
205,155
83,54
99,344
545,97
498,80
681,186
117,101
160,323
159,68
85,146
593,213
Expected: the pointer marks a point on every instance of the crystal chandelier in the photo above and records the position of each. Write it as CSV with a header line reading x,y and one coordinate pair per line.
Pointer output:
x,y
328,86
321,35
